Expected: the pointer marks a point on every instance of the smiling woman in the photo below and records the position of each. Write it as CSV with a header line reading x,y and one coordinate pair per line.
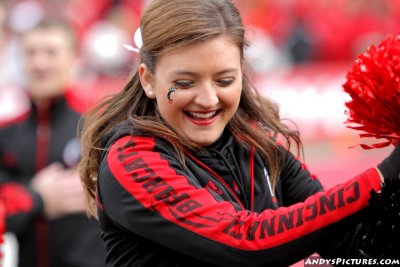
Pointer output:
x,y
190,166
207,91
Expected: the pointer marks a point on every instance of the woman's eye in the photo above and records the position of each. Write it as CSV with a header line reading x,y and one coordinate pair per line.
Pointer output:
x,y
183,84
225,82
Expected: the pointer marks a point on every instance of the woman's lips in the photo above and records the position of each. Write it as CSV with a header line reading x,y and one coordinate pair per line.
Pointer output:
x,y
202,118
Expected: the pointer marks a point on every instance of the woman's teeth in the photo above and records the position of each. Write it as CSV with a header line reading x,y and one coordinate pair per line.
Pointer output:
x,y
202,115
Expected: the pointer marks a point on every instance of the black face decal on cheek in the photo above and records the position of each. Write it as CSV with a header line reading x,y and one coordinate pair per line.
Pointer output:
x,y
170,94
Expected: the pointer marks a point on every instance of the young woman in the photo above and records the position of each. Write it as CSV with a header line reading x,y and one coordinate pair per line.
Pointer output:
x,y
184,167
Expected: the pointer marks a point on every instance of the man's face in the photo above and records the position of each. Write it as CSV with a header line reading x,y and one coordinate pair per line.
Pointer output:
x,y
48,59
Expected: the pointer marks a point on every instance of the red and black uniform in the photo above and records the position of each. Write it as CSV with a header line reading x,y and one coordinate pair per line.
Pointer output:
x,y
27,145
218,209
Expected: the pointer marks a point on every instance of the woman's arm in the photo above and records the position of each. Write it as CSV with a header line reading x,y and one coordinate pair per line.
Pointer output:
x,y
152,197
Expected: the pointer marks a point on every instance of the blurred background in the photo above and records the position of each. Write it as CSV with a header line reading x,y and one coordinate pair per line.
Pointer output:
x,y
300,51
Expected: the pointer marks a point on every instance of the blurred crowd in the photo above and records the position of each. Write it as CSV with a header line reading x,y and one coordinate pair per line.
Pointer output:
x,y
284,36
102,26
280,30
281,33
322,30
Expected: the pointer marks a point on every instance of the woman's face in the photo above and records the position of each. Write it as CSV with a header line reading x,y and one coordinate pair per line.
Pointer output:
x,y
208,78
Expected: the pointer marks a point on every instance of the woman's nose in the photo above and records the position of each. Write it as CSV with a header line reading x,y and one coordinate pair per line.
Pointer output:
x,y
207,97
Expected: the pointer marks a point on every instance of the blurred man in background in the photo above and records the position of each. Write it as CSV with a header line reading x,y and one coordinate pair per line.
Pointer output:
x,y
38,154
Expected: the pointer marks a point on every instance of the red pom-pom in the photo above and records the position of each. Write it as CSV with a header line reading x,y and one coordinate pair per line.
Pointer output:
x,y
373,84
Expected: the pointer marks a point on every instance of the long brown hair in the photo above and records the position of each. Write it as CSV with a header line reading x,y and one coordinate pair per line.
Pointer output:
x,y
167,25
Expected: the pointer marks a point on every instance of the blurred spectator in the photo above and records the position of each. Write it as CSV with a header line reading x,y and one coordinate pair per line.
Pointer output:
x,y
14,17
39,151
9,68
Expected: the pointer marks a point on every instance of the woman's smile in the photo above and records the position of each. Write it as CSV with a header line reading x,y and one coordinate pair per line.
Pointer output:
x,y
203,118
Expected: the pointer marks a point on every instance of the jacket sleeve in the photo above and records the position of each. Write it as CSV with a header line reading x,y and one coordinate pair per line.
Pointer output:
x,y
148,193
21,206
298,184
21,203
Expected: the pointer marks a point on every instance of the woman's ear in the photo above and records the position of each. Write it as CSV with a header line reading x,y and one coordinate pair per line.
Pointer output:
x,y
147,80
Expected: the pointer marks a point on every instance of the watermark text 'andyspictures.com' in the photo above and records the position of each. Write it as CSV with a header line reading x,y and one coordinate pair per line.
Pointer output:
x,y
320,262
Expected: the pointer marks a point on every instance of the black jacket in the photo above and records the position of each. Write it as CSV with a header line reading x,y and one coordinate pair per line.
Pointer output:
x,y
72,240
218,209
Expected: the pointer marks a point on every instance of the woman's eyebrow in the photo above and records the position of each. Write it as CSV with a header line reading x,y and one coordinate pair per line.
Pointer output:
x,y
192,73
228,70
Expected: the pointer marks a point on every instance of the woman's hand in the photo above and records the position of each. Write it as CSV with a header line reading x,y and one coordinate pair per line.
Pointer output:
x,y
390,166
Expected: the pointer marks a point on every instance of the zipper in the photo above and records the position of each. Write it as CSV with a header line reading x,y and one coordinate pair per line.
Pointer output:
x,y
43,133
274,200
